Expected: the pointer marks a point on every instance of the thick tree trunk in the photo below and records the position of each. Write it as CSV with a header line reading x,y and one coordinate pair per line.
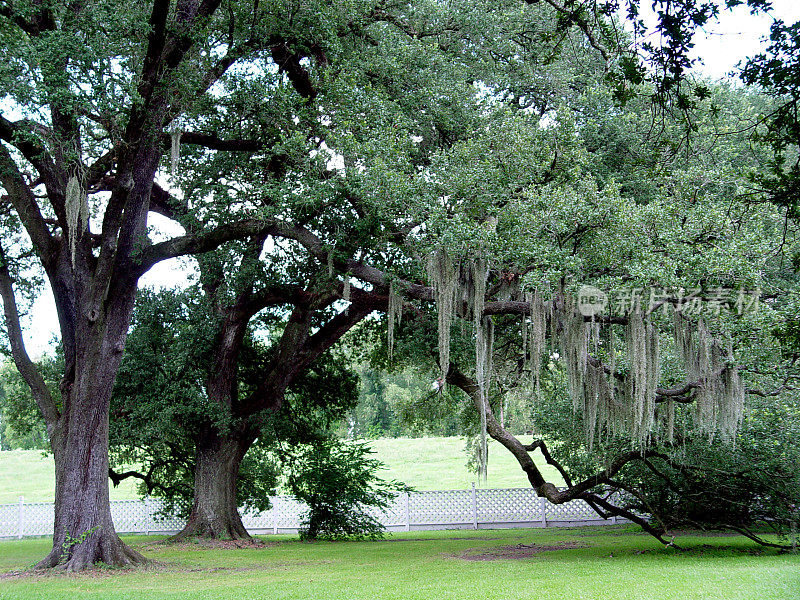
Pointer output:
x,y
84,532
215,513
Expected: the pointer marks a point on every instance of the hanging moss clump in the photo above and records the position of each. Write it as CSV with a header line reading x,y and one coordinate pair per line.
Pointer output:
x,y
719,397
484,344
77,209
175,151
443,276
394,315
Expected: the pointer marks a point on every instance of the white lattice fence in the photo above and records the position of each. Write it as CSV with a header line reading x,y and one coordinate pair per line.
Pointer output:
x,y
508,506
284,515
9,520
37,518
576,510
418,510
395,514
142,516
441,508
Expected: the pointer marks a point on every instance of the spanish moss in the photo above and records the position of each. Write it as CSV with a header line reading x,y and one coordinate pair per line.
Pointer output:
x,y
574,342
175,151
484,344
394,316
643,375
77,209
444,277
719,393
537,331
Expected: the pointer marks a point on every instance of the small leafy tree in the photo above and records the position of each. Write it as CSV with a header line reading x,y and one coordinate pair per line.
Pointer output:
x,y
339,483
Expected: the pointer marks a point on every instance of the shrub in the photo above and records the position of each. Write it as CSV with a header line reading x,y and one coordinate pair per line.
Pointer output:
x,y
339,483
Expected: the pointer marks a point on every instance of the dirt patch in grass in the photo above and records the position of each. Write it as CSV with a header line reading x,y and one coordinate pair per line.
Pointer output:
x,y
152,566
516,551
203,544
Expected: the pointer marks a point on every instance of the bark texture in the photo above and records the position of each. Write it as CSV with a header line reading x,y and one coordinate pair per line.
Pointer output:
x,y
215,511
84,531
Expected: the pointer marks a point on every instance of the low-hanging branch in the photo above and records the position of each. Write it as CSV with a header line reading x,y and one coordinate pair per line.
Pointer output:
x,y
585,489
714,387
579,491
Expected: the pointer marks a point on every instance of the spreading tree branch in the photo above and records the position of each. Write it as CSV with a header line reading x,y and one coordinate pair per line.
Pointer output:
x,y
26,207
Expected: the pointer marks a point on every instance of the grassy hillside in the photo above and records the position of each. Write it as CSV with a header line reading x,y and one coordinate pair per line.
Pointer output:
x,y
30,473
423,463
440,464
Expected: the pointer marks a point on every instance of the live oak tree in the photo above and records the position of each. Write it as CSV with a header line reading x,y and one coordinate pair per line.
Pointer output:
x,y
90,89
192,445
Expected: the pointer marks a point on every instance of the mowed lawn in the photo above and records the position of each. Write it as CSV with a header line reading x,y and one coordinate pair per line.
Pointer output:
x,y
423,463
575,564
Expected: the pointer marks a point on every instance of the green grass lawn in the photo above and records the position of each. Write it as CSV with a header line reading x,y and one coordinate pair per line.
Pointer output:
x,y
423,463
602,563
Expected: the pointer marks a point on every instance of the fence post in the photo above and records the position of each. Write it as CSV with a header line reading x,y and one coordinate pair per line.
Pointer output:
x,y
543,505
147,514
274,510
474,507
20,517
408,510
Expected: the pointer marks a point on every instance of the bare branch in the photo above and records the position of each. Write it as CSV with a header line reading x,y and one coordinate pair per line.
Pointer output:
x,y
25,366
202,241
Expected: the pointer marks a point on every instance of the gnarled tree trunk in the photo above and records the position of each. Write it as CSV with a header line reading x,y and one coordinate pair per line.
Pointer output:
x,y
215,511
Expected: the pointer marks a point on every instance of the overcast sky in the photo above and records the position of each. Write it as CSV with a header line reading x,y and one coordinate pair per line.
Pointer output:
x,y
737,35
720,47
